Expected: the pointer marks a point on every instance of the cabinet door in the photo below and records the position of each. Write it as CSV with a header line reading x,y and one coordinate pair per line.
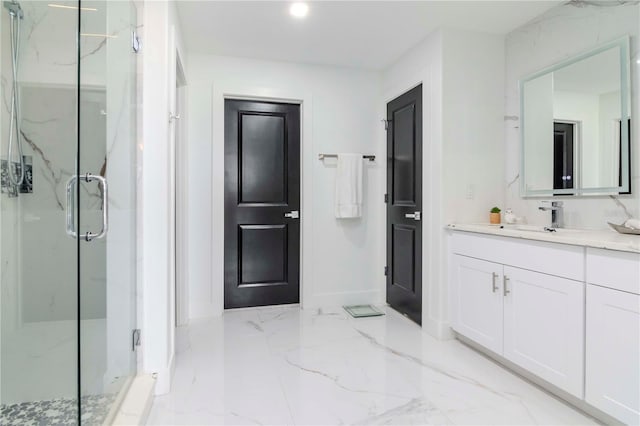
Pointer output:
x,y
613,353
477,301
544,327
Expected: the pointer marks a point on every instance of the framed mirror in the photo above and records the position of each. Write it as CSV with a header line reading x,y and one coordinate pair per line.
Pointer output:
x,y
575,125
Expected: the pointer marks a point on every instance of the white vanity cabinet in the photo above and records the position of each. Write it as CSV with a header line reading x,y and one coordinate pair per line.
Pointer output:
x,y
534,320
613,334
544,327
567,314
478,300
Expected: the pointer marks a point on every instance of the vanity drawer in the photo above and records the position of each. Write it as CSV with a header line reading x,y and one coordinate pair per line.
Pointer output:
x,y
561,260
618,270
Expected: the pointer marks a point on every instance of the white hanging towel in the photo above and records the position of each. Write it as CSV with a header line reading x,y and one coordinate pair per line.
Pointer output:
x,y
349,186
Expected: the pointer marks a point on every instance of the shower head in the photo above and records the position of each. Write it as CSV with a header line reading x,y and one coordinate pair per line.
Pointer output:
x,y
14,8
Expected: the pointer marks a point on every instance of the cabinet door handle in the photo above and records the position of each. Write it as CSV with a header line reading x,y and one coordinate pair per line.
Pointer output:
x,y
493,283
505,280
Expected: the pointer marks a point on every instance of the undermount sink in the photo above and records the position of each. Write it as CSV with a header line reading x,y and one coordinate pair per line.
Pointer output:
x,y
541,229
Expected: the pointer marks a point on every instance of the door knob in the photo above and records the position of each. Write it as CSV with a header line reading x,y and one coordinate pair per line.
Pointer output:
x,y
414,216
295,214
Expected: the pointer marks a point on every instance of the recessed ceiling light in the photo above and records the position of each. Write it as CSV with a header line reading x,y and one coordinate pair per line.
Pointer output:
x,y
299,10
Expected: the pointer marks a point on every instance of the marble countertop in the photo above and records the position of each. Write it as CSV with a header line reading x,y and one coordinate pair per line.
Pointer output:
x,y
604,239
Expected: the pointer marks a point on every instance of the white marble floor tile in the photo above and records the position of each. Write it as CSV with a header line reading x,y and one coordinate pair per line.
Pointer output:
x,y
282,366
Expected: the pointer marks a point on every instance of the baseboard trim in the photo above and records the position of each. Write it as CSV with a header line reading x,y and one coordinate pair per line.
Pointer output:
x,y
163,382
332,300
438,329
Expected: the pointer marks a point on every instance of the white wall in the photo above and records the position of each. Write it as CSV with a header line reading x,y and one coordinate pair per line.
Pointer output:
x,y
162,37
562,32
339,114
462,75
473,100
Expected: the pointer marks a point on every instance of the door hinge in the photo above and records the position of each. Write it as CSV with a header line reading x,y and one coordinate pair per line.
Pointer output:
x,y
135,338
386,123
386,198
386,271
135,42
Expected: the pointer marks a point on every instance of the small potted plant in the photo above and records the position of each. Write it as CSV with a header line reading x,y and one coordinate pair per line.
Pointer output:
x,y
494,216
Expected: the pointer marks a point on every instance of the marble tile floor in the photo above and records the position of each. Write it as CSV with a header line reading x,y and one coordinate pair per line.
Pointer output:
x,y
285,366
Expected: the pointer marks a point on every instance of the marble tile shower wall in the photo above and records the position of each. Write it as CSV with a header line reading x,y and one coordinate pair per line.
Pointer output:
x,y
564,31
37,258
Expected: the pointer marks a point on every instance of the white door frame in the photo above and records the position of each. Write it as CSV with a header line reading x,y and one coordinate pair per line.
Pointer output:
x,y
220,93
181,197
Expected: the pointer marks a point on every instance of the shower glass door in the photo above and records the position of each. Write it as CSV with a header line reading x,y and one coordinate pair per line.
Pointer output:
x,y
39,261
67,249
105,188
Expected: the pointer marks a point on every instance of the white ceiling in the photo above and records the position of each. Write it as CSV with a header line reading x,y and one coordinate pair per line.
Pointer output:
x,y
361,34
596,75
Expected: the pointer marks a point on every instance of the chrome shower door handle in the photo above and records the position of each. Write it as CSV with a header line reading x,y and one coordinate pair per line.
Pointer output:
x,y
70,214
105,207
71,207
414,216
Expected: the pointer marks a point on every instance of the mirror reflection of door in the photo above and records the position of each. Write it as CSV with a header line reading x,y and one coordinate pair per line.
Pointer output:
x,y
563,155
621,145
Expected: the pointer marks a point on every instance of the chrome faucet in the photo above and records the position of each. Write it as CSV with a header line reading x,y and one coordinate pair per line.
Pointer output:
x,y
556,212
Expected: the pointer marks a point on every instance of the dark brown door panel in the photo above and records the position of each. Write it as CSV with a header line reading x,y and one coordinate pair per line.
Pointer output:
x,y
404,188
262,184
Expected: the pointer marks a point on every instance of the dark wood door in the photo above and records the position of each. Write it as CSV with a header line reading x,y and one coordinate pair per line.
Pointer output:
x,y
404,204
262,201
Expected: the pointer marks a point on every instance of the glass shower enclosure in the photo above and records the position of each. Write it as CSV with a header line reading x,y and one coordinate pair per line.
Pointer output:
x,y
67,209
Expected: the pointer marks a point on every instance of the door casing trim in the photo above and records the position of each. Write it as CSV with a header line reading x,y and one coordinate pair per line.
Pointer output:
x,y
181,156
220,93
